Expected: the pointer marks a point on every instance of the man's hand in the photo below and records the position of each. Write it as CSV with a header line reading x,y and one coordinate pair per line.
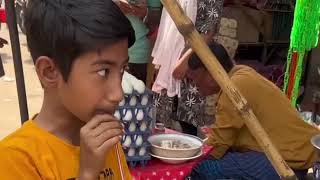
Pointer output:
x,y
181,68
124,6
180,71
97,137
139,10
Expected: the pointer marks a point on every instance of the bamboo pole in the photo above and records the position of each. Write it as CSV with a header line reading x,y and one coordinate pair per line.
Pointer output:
x,y
187,29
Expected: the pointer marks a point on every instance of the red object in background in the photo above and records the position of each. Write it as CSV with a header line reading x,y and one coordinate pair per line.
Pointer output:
x,y
293,67
206,130
152,35
3,18
159,128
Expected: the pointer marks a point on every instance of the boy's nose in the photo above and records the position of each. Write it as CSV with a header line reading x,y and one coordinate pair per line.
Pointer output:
x,y
116,92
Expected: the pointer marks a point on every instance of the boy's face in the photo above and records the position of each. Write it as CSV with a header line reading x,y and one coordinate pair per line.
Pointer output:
x,y
94,83
203,80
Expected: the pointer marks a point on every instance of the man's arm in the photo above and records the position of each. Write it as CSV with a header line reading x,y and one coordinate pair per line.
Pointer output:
x,y
226,127
181,67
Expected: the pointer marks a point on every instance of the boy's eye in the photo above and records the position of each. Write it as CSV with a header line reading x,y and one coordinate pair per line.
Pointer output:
x,y
124,68
103,72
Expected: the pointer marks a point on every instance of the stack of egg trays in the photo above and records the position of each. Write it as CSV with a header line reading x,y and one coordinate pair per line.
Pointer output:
x,y
133,160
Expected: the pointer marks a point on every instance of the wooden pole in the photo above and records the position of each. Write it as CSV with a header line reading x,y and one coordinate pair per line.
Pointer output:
x,y
187,29
17,62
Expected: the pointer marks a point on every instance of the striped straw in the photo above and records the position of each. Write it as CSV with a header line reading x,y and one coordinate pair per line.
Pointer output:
x,y
119,162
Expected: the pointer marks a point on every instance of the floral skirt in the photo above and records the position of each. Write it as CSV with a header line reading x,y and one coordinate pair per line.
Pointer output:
x,y
189,108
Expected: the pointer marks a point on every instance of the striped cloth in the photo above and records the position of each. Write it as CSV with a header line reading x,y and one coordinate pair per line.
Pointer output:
x,y
235,165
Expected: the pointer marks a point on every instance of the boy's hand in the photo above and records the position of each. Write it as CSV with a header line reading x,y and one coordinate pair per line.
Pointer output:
x,y
97,137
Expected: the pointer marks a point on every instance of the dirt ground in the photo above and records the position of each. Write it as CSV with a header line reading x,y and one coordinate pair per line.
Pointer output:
x,y
9,104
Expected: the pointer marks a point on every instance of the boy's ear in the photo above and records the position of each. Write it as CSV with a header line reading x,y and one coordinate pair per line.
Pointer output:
x,y
48,72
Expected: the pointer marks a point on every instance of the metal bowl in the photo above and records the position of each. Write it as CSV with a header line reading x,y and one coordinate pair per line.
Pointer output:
x,y
315,141
177,160
195,143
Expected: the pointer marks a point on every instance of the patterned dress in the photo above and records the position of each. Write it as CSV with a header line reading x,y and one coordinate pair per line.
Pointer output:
x,y
190,107
208,15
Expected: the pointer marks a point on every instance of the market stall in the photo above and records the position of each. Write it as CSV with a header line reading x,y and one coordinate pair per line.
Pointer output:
x,y
136,110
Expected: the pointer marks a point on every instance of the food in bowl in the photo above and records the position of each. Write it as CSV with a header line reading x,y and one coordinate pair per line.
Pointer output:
x,y
175,144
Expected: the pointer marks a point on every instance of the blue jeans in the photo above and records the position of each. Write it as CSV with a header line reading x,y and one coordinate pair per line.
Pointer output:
x,y
234,165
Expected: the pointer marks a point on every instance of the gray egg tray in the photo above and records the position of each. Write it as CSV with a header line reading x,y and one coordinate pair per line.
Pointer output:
x,y
148,93
135,159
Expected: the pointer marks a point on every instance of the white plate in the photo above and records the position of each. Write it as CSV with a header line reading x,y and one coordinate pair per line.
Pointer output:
x,y
156,149
177,160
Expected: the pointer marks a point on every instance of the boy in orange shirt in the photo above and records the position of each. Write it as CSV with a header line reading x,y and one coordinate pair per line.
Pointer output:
x,y
80,51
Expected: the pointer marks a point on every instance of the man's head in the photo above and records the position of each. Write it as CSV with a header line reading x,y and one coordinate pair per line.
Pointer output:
x,y
199,74
80,49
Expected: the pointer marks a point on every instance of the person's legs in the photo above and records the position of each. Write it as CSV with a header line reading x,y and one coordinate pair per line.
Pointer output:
x,y
139,71
1,68
190,108
301,174
164,107
234,165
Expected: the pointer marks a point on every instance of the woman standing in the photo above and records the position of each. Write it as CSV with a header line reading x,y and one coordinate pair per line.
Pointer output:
x,y
177,98
139,53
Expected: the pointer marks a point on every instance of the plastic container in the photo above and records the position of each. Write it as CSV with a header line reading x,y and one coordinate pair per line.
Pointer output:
x,y
136,113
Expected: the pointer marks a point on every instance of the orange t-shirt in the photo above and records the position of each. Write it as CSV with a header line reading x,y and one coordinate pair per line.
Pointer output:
x,y
32,153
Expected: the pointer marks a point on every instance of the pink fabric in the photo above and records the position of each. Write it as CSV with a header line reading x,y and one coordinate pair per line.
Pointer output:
x,y
168,48
156,169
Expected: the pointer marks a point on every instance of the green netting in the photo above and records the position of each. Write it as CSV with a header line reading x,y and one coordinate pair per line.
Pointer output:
x,y
304,37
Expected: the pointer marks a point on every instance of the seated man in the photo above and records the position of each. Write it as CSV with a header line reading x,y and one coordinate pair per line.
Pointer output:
x,y
236,153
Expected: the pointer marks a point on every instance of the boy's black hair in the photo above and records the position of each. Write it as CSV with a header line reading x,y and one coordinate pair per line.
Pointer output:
x,y
221,54
65,29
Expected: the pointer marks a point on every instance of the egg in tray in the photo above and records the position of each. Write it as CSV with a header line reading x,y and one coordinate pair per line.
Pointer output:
x,y
135,111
